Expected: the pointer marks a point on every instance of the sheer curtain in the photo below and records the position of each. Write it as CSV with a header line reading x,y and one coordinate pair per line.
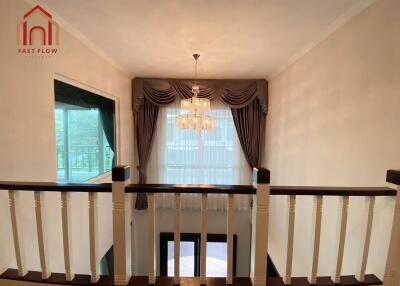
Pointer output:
x,y
198,157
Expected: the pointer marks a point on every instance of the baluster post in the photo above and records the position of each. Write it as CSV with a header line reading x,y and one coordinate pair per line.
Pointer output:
x,y
151,225
229,239
93,237
203,239
67,235
41,234
259,227
122,216
316,229
17,233
392,271
360,275
343,213
177,239
289,253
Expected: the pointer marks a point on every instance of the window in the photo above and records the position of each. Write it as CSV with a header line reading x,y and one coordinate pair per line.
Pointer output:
x,y
216,260
198,157
83,147
202,156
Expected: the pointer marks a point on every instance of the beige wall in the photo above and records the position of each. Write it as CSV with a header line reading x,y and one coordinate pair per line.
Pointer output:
x,y
334,120
27,135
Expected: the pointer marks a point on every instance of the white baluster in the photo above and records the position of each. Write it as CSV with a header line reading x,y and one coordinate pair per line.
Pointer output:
x,y
93,237
122,218
259,227
67,236
289,254
316,227
17,233
343,212
203,238
177,239
41,234
360,275
151,255
392,271
229,237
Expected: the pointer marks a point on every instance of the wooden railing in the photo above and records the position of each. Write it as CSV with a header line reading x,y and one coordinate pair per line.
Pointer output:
x,y
261,191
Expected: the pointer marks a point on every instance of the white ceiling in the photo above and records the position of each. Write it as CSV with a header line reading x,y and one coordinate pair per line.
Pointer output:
x,y
236,38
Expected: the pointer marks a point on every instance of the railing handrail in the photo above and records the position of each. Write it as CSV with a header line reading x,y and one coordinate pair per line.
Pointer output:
x,y
332,191
55,187
199,189
190,188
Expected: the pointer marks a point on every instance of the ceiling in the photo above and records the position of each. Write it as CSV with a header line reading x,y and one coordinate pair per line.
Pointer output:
x,y
236,39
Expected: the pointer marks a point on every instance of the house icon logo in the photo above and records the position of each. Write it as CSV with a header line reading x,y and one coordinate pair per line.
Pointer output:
x,y
37,33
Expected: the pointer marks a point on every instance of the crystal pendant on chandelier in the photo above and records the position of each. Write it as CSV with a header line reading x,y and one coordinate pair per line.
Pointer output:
x,y
195,122
196,107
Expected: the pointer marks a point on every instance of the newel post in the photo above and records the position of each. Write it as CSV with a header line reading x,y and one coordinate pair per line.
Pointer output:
x,y
259,227
121,225
392,270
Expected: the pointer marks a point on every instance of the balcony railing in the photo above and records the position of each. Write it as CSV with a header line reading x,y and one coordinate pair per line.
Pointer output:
x,y
81,162
261,192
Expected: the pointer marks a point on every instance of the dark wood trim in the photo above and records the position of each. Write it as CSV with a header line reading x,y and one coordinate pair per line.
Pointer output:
x,y
393,177
121,173
261,176
332,191
197,189
248,189
55,187
84,280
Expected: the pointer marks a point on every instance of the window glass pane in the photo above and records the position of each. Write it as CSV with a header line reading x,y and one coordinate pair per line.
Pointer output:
x,y
61,156
216,259
200,156
186,260
83,153
108,155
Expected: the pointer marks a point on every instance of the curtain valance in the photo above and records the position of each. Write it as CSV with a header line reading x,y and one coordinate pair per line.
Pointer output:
x,y
233,93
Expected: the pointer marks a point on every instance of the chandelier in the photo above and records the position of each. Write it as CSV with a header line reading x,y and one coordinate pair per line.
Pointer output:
x,y
196,108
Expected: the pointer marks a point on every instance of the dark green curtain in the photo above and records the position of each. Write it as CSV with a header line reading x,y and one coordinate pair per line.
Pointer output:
x,y
69,94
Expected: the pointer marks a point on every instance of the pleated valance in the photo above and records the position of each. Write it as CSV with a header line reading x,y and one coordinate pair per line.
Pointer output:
x,y
233,93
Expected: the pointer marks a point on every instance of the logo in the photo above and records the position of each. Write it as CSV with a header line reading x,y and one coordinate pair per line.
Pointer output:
x,y
37,33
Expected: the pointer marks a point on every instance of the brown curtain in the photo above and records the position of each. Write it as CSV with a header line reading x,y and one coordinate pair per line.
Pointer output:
x,y
250,126
145,129
248,100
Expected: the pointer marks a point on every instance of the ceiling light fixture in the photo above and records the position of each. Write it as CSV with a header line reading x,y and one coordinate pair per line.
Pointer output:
x,y
196,118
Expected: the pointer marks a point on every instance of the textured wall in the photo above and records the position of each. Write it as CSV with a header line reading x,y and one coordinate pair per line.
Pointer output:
x,y
333,120
27,135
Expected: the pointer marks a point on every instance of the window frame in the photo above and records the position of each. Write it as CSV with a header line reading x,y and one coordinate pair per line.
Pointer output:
x,y
83,89
166,237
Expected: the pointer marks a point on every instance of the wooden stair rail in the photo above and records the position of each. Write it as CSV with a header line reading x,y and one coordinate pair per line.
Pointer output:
x,y
261,192
392,271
